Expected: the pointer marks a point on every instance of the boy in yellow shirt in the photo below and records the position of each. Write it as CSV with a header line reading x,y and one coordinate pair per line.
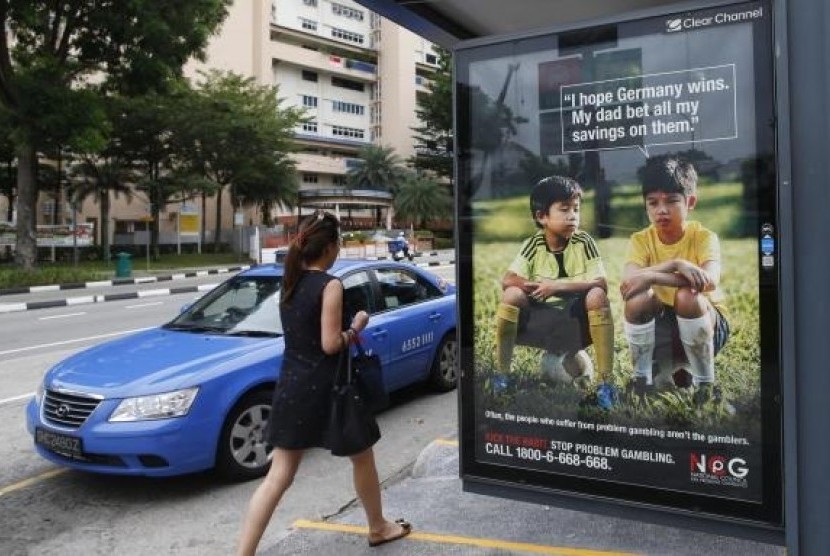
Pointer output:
x,y
671,283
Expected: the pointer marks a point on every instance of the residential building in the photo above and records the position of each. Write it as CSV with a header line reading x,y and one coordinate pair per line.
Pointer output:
x,y
357,74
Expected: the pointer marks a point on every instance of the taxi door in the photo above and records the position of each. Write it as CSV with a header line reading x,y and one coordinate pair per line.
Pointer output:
x,y
359,295
410,322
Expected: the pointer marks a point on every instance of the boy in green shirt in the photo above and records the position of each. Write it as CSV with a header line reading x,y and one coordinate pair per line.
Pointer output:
x,y
554,293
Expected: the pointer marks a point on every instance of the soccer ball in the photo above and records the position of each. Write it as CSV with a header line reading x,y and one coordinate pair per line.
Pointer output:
x,y
564,368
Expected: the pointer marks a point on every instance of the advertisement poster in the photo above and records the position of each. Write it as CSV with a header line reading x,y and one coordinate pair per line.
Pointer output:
x,y
617,219
49,235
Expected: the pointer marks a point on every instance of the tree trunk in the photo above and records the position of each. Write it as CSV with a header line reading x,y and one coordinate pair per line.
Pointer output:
x,y
105,225
216,237
26,244
203,217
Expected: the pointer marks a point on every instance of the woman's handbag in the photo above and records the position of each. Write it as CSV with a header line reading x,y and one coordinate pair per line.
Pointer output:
x,y
352,426
369,376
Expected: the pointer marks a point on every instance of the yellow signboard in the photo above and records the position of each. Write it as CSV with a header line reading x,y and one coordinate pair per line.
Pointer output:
x,y
188,223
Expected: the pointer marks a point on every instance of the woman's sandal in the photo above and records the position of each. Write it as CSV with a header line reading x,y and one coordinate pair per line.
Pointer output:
x,y
406,528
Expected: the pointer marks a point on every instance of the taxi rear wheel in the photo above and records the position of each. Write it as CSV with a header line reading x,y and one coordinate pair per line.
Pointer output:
x,y
444,373
243,452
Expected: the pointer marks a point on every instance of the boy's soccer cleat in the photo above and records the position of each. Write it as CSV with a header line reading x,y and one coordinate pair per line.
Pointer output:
x,y
707,393
607,396
500,383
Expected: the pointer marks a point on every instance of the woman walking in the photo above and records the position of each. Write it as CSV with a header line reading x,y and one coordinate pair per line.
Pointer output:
x,y
311,309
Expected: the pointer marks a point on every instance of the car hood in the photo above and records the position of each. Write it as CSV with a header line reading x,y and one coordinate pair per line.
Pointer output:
x,y
156,360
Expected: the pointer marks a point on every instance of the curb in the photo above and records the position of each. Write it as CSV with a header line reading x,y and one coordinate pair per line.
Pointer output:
x,y
82,300
118,281
16,307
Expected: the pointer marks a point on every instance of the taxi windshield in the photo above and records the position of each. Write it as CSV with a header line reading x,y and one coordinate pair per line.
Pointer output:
x,y
242,306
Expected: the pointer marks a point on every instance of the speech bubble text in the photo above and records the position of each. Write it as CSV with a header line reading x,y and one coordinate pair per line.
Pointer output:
x,y
688,106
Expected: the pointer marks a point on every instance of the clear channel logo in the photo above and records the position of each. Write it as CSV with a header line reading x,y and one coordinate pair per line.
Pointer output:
x,y
697,21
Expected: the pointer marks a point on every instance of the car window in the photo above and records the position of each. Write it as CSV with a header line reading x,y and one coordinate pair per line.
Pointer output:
x,y
401,287
357,296
242,304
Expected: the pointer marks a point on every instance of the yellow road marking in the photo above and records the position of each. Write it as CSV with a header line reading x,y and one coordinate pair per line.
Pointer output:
x,y
446,442
468,541
30,481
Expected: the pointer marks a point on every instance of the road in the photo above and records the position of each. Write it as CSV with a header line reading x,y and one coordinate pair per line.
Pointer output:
x,y
45,510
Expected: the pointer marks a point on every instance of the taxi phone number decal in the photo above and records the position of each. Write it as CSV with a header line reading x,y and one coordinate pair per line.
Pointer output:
x,y
417,341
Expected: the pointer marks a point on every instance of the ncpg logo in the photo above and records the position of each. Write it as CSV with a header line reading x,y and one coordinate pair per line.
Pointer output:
x,y
674,25
718,465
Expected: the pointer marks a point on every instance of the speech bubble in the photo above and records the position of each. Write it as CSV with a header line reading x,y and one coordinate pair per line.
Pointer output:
x,y
687,106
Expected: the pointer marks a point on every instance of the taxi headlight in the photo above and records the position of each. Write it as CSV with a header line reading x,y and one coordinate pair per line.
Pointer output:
x,y
157,406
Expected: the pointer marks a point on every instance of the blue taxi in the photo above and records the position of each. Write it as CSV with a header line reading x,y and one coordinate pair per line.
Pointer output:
x,y
195,393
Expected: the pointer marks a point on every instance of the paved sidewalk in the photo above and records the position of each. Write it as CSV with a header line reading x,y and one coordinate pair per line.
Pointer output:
x,y
447,520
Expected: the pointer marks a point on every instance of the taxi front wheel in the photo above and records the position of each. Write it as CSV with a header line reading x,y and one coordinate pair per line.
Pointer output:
x,y
243,452
444,373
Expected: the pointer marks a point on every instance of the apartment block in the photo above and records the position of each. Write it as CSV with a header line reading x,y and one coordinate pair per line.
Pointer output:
x,y
357,74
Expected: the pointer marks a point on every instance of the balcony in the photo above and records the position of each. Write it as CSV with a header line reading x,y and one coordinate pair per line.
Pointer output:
x,y
324,62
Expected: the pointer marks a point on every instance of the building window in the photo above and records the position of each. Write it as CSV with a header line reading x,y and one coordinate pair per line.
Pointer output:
x,y
308,24
347,107
309,101
312,3
349,36
350,132
340,180
310,127
431,59
310,76
310,178
347,84
345,11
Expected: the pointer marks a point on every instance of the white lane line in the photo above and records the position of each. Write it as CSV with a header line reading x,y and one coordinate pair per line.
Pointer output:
x,y
145,305
16,398
62,316
76,340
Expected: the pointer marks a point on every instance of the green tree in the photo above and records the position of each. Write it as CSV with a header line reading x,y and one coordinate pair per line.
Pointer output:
x,y
102,177
56,56
420,199
380,169
434,137
142,137
238,135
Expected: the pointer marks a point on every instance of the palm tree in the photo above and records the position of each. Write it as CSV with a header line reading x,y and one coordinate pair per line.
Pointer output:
x,y
420,200
381,169
98,178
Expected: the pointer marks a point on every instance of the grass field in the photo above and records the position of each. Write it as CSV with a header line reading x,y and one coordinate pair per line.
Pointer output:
x,y
737,366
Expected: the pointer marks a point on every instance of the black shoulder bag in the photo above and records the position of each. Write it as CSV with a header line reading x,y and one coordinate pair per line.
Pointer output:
x,y
352,426
369,377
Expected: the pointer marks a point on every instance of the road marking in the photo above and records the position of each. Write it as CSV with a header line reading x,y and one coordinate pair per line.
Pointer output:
x,y
145,305
61,316
76,340
17,398
31,481
466,541
446,441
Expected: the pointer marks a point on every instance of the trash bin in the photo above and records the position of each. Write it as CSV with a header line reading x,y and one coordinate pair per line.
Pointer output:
x,y
123,266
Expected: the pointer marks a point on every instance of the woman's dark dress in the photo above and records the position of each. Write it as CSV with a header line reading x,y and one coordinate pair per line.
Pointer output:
x,y
301,405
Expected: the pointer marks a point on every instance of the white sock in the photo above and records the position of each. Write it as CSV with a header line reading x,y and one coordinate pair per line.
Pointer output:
x,y
697,337
641,345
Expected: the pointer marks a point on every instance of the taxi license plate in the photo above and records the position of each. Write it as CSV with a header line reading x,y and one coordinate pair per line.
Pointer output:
x,y
63,444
